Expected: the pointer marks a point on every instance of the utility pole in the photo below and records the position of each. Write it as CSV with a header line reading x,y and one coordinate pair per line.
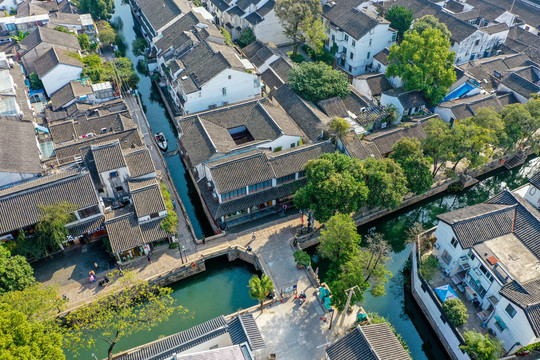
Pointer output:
x,y
349,297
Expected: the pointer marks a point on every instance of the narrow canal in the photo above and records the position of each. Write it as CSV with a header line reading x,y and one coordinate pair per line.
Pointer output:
x,y
397,306
160,121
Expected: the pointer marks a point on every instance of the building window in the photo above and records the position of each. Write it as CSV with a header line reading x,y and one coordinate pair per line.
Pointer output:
x,y
285,179
114,174
346,37
154,216
453,242
446,257
84,213
486,273
293,145
370,41
224,90
499,323
260,186
510,311
353,43
119,188
344,51
351,55
394,36
229,77
233,194
350,68
333,38
471,255
368,55
476,42
302,174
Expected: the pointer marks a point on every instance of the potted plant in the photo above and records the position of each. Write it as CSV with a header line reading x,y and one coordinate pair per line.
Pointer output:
x,y
302,258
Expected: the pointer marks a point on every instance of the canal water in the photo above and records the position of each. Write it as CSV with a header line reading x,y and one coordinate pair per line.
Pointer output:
x,y
397,306
220,290
160,121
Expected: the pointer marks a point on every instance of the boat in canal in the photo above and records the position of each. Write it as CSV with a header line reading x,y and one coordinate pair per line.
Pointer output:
x,y
161,141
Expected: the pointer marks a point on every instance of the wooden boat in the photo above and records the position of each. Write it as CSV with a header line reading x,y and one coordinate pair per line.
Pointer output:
x,y
161,141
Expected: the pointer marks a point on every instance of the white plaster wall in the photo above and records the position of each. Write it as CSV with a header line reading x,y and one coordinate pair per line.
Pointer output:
x,y
390,100
362,86
60,76
240,87
270,30
145,219
519,328
444,235
468,47
267,63
123,176
530,193
8,4
445,114
507,18
284,141
520,98
7,178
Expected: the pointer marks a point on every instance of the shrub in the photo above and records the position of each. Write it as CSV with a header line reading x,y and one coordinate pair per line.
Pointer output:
x,y
323,55
455,311
298,58
173,245
279,148
430,266
302,258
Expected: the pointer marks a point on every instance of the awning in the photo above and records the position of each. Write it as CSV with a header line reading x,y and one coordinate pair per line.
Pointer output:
x,y
500,322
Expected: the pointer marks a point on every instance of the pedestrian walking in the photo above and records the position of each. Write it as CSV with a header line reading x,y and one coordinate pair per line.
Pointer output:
x,y
203,240
253,236
96,266
91,273
149,259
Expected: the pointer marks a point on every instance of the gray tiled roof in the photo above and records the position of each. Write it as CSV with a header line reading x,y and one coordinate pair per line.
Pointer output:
x,y
20,204
293,160
18,149
124,233
377,83
382,56
173,35
527,12
408,99
139,162
333,107
520,85
369,342
148,200
160,12
152,231
535,180
311,120
354,22
68,92
49,36
54,57
466,107
108,156
454,6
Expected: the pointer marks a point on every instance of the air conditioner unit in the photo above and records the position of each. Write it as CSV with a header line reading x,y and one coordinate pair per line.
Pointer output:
x,y
107,210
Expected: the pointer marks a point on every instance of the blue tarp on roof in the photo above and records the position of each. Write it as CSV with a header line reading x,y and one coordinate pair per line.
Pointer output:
x,y
445,292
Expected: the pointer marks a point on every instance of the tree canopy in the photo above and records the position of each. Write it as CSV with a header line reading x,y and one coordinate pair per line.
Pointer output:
x,y
386,182
339,239
431,22
15,272
437,143
35,82
133,306
170,222
297,18
318,81
400,19
482,347
521,122
334,184
120,71
99,9
246,37
260,288
339,127
407,152
424,62
455,311
107,34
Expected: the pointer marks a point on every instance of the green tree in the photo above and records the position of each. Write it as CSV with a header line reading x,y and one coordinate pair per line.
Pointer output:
x,y
99,9
318,81
314,34
260,288
63,29
339,127
170,222
407,152
334,184
471,142
491,120
294,15
51,230
386,182
132,306
482,347
24,340
424,62
20,35
431,22
227,36
15,272
107,34
438,143
35,82
339,239
302,258
455,311
246,37
123,70
138,45
84,42
400,19
521,122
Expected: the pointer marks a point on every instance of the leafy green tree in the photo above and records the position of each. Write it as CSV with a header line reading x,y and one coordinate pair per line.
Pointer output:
x,y
15,272
318,81
482,347
132,306
314,33
471,142
294,15
227,36
20,36
334,184
99,9
455,311
124,72
170,222
24,340
246,37
260,288
431,22
302,258
63,29
386,182
35,82
407,152
521,122
339,127
438,143
107,34
51,230
339,239
425,63
138,45
84,42
400,19
491,120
